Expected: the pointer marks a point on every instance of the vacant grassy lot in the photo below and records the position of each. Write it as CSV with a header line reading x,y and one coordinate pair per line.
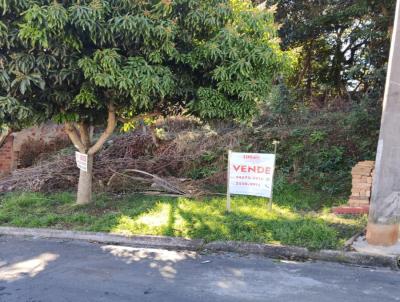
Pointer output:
x,y
296,219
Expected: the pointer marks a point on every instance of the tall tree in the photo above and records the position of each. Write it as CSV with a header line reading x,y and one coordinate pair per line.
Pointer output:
x,y
84,62
344,44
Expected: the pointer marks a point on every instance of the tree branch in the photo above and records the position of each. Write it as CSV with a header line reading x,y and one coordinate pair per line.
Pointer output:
x,y
74,137
111,124
84,134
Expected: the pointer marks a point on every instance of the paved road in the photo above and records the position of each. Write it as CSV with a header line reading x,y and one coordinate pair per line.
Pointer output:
x,y
53,270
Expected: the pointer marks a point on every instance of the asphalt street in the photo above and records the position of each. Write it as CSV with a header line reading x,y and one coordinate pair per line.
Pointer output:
x,y
38,270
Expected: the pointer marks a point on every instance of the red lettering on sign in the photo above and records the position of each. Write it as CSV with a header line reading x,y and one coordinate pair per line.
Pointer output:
x,y
252,169
236,167
251,157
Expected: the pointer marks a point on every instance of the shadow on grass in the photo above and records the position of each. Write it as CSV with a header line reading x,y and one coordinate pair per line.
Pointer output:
x,y
169,229
299,199
309,232
206,219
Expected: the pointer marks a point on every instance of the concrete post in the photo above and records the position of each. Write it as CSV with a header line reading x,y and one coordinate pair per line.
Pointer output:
x,y
384,214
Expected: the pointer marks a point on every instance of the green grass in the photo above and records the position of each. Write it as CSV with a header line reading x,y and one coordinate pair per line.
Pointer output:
x,y
297,218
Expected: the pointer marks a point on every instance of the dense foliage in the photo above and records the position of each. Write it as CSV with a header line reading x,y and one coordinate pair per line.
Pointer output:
x,y
77,61
69,60
344,46
87,61
327,113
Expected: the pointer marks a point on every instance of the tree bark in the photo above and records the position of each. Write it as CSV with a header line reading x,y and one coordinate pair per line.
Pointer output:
x,y
111,124
84,195
84,132
73,135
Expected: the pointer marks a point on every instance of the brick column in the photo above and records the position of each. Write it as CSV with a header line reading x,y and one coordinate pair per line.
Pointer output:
x,y
361,183
362,178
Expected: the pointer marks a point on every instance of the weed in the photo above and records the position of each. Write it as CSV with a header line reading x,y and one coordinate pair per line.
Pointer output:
x,y
298,217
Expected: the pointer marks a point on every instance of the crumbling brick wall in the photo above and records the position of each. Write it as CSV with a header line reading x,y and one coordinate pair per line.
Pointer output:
x,y
10,150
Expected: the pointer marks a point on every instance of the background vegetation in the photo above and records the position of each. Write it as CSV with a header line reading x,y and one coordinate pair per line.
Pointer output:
x,y
327,113
308,73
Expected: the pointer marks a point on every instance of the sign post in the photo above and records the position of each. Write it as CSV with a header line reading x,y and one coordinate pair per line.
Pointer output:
x,y
228,193
250,174
275,143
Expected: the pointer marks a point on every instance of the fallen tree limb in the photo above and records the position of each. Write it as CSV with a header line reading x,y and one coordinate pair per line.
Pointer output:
x,y
149,178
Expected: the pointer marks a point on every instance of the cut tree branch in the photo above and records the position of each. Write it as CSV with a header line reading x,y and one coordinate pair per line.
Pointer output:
x,y
150,178
111,124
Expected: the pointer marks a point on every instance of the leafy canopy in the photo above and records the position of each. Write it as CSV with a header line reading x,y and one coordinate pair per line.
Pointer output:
x,y
69,60
344,45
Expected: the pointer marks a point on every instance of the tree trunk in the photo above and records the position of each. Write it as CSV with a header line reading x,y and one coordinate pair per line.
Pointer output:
x,y
81,138
84,195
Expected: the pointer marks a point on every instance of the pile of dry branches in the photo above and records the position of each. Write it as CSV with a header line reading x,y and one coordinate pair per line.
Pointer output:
x,y
135,161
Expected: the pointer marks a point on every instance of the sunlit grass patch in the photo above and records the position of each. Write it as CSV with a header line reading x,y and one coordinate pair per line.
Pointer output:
x,y
290,222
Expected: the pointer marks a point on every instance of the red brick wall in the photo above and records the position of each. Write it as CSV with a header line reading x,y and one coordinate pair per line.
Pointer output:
x,y
7,156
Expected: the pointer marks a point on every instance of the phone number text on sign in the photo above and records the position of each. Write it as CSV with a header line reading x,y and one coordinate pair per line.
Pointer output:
x,y
251,174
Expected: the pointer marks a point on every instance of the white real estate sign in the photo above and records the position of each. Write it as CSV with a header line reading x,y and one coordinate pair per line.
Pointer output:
x,y
81,161
251,174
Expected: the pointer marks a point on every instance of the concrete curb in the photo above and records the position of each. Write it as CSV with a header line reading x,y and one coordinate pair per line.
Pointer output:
x,y
298,253
139,241
174,243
